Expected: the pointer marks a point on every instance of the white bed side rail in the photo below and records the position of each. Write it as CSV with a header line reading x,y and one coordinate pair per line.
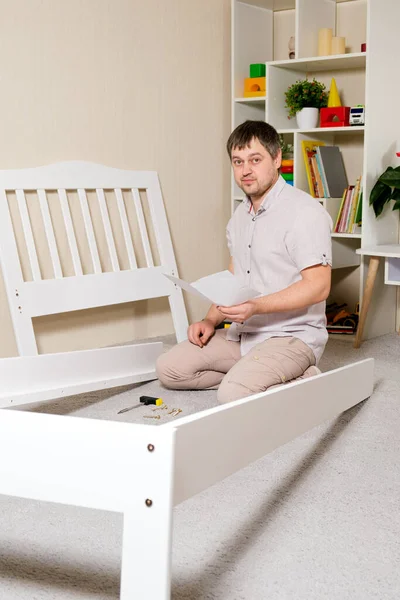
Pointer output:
x,y
214,444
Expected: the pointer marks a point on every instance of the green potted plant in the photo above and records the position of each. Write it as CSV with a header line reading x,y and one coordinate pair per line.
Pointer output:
x,y
387,188
303,101
286,147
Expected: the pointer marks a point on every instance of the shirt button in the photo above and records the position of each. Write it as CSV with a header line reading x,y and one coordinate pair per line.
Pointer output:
x,y
248,271
249,245
253,219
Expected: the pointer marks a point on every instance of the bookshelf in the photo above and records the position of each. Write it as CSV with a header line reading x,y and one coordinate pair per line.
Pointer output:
x,y
260,33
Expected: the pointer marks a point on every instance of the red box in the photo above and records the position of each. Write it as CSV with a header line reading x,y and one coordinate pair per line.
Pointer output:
x,y
334,116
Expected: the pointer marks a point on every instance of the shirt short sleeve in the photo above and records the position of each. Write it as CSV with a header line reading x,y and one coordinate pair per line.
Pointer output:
x,y
309,240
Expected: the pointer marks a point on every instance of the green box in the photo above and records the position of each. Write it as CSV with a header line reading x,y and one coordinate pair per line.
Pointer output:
x,y
287,176
257,70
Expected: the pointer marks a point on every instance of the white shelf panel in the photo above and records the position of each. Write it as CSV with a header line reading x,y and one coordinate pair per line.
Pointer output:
x,y
350,236
387,250
343,337
254,100
274,5
344,130
356,60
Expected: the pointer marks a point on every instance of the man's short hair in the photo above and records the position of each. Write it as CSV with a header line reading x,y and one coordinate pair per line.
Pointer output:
x,y
260,130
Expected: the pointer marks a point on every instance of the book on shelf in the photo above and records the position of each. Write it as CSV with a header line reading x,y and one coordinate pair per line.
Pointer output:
x,y
322,173
340,329
349,216
332,166
325,170
309,148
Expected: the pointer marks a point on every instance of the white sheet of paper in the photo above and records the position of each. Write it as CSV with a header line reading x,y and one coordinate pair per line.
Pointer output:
x,y
223,289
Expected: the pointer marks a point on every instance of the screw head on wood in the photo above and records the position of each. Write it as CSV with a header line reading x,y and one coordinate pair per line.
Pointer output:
x,y
150,448
149,502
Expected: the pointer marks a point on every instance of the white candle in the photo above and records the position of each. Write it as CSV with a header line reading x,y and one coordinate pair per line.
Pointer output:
x,y
338,45
324,41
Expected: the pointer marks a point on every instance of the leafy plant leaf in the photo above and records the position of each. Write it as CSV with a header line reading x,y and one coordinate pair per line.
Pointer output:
x,y
380,195
396,205
396,197
391,177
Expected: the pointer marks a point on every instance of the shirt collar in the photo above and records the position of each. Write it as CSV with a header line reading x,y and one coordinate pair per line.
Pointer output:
x,y
270,197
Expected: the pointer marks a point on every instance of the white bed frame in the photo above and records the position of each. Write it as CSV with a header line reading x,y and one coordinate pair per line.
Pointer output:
x,y
138,470
143,471
31,376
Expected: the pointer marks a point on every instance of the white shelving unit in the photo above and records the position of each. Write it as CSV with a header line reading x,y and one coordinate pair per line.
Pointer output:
x,y
261,30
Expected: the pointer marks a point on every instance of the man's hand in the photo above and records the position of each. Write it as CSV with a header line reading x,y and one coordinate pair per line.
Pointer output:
x,y
240,312
199,333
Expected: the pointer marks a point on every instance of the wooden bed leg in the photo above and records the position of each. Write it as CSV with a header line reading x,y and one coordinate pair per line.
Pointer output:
x,y
146,559
147,528
369,286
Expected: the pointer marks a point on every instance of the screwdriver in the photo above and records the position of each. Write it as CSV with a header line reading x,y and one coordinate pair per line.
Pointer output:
x,y
144,401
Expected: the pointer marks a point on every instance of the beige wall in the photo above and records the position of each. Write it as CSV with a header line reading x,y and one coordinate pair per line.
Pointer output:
x,y
130,84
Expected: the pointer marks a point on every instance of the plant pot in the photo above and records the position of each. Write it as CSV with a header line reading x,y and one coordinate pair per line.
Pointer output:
x,y
307,118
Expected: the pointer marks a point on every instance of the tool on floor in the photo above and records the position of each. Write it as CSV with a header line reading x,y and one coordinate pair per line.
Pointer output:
x,y
151,416
144,401
162,407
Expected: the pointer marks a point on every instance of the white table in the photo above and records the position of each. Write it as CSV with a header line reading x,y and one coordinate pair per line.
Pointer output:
x,y
391,254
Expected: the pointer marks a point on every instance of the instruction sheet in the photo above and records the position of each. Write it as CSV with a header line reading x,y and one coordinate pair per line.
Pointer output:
x,y
223,289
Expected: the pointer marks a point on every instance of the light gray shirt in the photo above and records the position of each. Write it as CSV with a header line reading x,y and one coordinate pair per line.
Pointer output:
x,y
290,232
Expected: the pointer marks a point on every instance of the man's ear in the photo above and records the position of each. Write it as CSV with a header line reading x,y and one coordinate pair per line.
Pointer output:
x,y
278,159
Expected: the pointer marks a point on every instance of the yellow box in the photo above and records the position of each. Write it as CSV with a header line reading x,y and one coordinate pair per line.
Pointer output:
x,y
254,86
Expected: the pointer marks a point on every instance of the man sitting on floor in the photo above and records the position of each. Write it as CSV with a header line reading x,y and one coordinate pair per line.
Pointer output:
x,y
280,244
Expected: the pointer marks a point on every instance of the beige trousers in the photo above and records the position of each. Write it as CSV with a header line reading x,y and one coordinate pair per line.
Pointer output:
x,y
219,364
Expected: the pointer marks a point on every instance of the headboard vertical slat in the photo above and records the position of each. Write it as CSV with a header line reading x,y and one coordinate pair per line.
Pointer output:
x,y
107,229
87,219
51,240
142,228
125,229
69,228
28,235
14,281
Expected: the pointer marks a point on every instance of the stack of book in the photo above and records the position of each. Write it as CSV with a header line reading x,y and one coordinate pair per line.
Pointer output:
x,y
327,179
325,169
350,212
287,170
340,319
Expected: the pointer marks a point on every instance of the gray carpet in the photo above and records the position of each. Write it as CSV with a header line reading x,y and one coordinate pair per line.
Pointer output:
x,y
319,518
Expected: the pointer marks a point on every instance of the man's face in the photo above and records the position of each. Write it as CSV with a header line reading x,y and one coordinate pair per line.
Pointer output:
x,y
254,170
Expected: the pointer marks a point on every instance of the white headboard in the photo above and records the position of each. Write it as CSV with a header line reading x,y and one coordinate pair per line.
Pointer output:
x,y
58,294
